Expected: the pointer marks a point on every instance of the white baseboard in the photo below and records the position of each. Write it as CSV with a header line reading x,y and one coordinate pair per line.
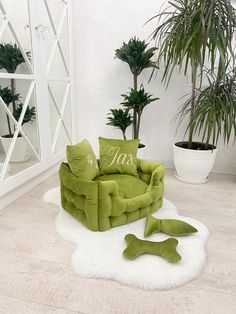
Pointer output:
x,y
226,168
13,195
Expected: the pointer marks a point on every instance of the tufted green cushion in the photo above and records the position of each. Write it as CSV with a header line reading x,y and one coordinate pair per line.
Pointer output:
x,y
100,205
82,160
165,249
126,184
172,227
118,156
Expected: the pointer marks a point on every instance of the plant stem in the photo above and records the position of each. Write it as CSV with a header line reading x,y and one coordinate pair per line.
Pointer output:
x,y
135,135
135,82
9,125
194,82
124,135
13,89
138,125
208,138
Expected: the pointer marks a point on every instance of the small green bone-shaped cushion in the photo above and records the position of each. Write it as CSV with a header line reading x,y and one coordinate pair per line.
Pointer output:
x,y
172,227
165,249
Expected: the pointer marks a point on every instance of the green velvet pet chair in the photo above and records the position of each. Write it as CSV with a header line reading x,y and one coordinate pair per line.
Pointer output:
x,y
115,199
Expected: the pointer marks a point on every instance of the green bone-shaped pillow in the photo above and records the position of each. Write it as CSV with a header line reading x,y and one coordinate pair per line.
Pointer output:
x,y
169,226
165,249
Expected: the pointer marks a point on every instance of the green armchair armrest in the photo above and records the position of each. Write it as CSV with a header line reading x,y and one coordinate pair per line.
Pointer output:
x,y
79,197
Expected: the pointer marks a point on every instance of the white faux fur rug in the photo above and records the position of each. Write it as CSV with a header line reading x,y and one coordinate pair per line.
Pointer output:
x,y
99,254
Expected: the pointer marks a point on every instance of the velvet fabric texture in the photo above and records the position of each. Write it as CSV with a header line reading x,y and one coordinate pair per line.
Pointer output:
x,y
172,227
102,204
165,249
118,156
128,186
82,160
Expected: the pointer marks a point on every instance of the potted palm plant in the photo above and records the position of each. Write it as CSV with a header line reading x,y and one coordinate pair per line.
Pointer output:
x,y
136,100
215,110
20,149
8,97
120,119
195,35
139,57
10,58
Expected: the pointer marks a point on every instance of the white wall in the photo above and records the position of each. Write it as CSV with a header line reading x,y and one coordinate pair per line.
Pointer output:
x,y
100,26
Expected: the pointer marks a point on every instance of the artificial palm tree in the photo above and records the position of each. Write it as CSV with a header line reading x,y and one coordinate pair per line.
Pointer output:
x,y
10,58
120,119
29,115
139,57
8,97
137,100
193,33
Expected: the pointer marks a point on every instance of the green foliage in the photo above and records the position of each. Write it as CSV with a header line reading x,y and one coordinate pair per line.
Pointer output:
x,y
139,57
136,54
137,100
29,116
120,119
8,96
193,33
215,109
11,57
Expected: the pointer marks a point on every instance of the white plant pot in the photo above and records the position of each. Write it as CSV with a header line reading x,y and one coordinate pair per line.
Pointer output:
x,y
19,153
193,166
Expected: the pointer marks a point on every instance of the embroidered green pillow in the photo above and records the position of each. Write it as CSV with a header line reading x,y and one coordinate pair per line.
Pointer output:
x,y
118,156
82,160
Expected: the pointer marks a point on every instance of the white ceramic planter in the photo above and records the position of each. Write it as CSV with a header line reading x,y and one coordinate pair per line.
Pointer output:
x,y
193,166
19,153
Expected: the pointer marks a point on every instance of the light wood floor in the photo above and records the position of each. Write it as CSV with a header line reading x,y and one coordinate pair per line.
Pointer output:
x,y
36,277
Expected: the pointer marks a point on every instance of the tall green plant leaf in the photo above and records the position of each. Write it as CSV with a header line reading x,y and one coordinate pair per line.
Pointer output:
x,y
215,109
199,33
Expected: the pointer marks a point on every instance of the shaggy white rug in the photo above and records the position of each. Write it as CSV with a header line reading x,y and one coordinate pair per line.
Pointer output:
x,y
99,254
